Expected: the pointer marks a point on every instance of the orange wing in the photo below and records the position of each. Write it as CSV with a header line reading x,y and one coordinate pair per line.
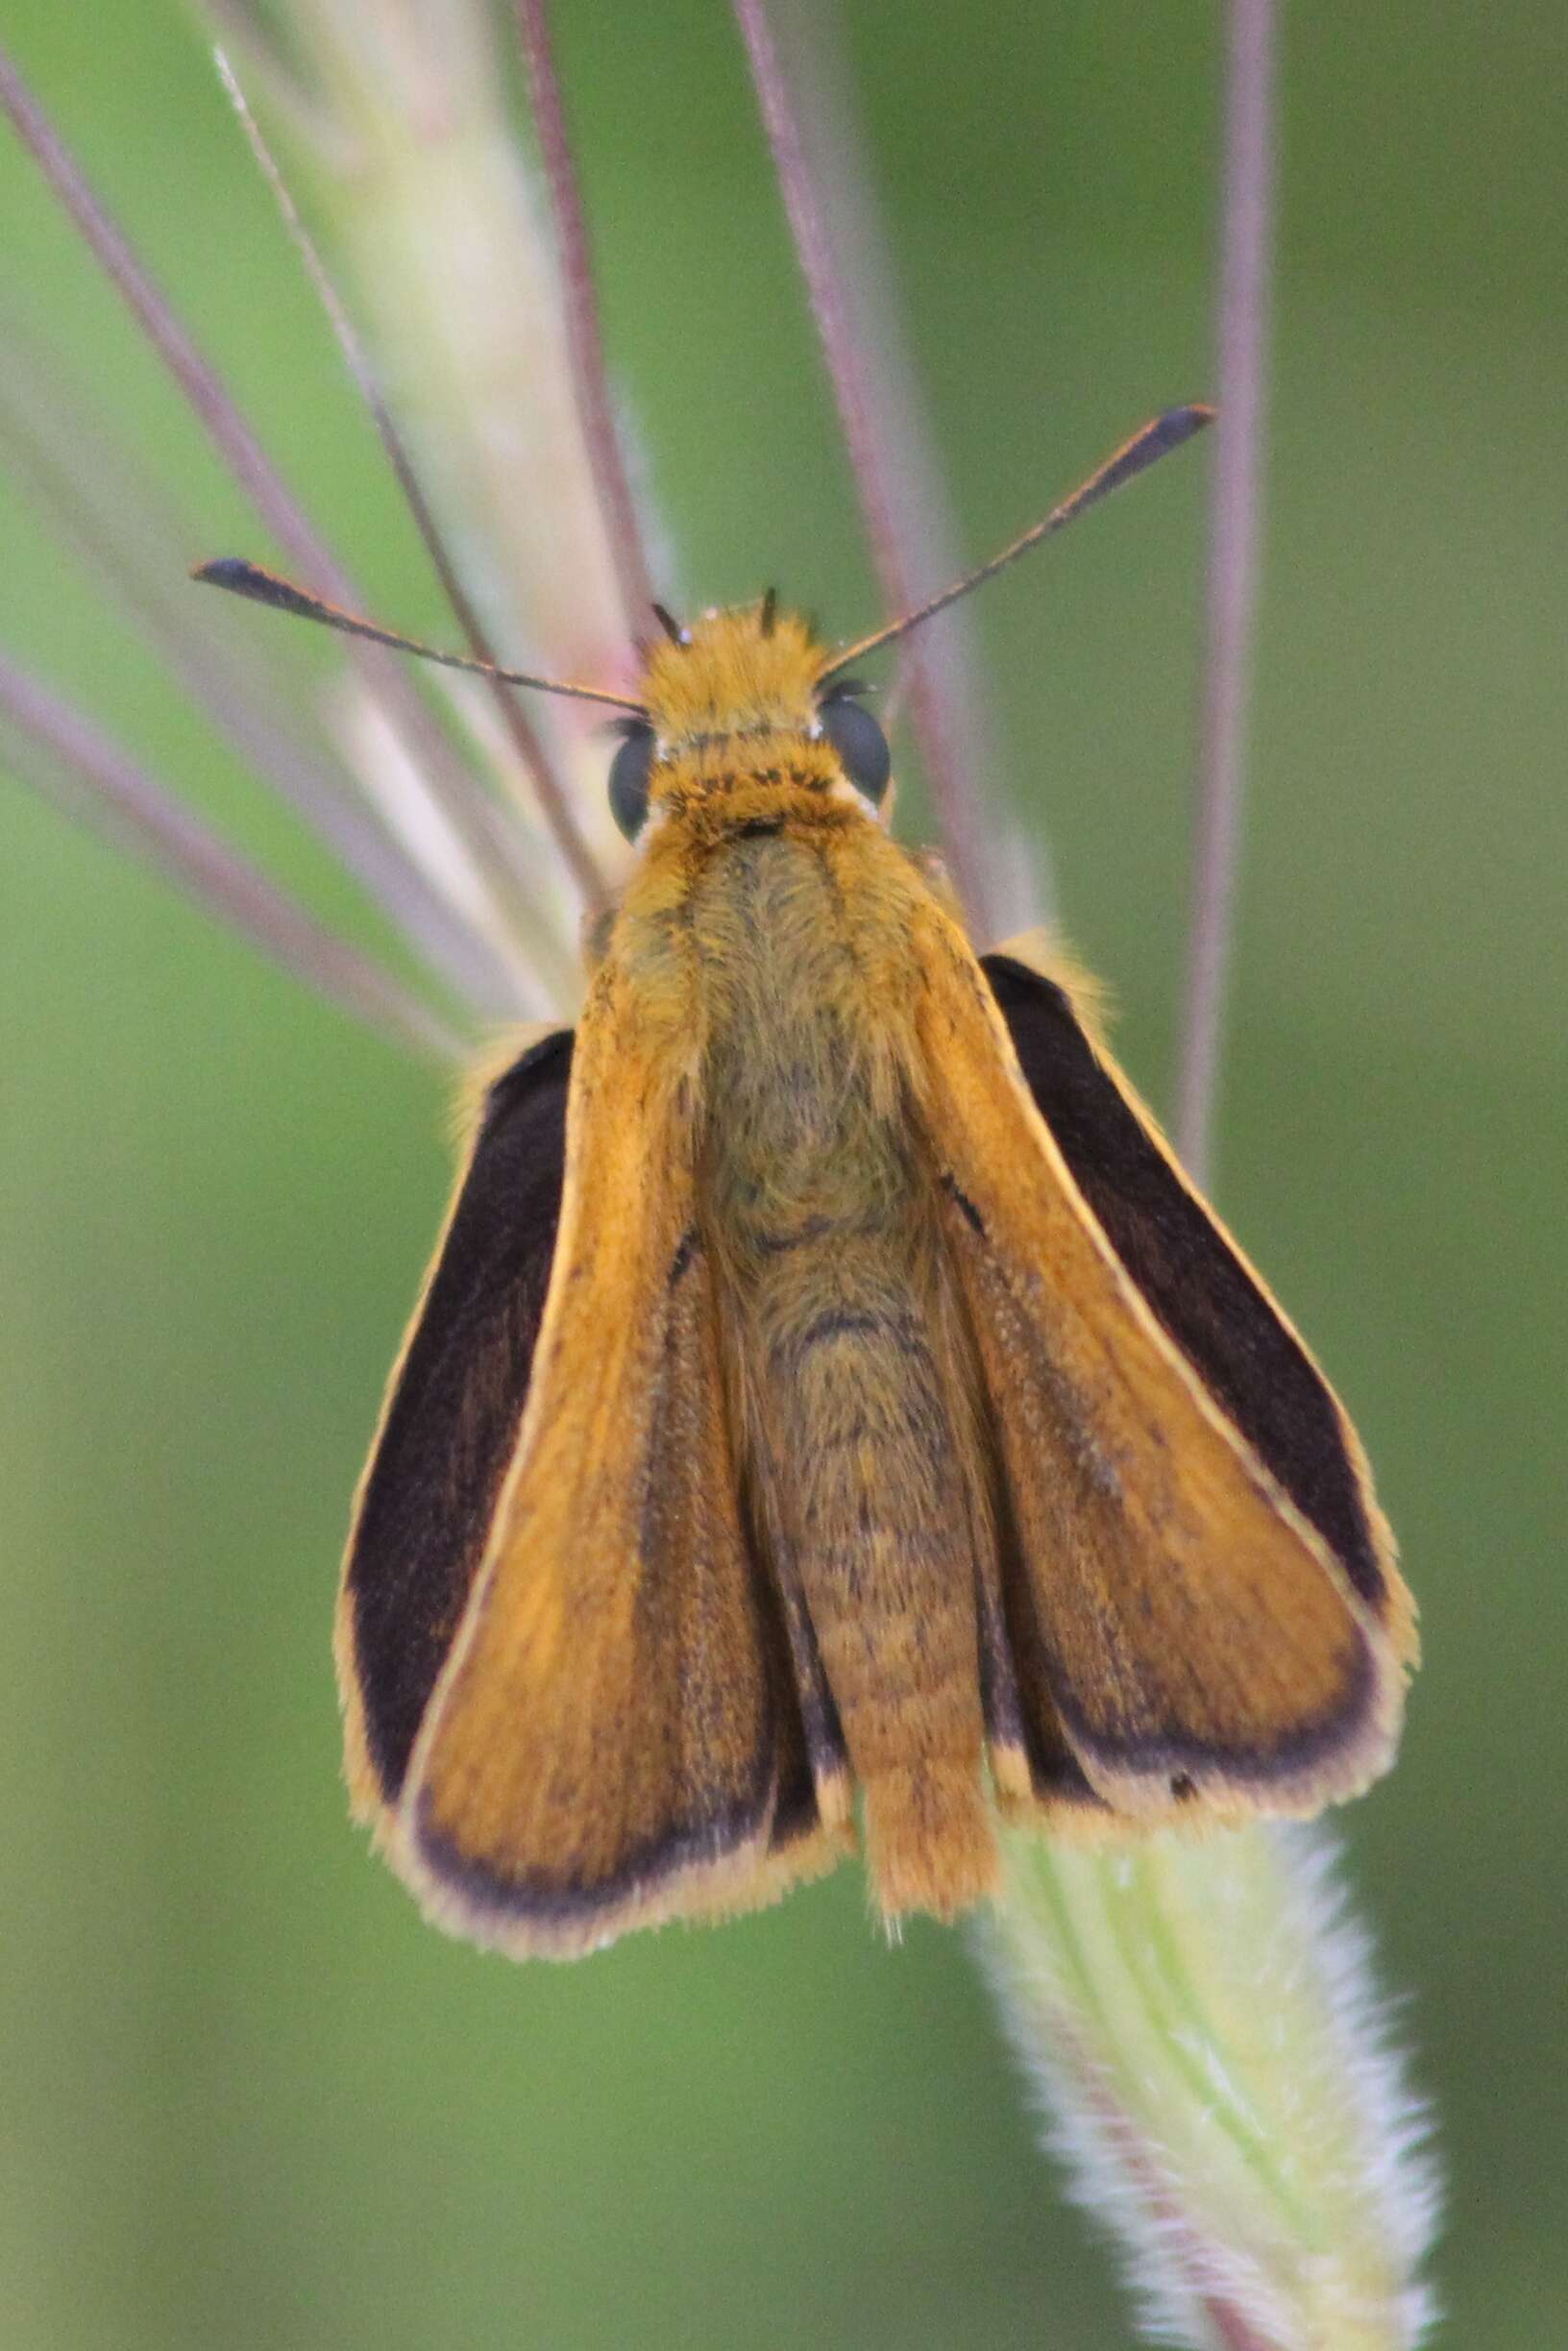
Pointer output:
x,y
1185,1607
615,1736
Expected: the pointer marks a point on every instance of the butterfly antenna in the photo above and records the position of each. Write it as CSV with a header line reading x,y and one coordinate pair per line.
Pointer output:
x,y
1157,439
672,627
249,579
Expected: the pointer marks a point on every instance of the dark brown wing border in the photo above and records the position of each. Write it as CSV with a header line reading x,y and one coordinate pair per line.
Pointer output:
x,y
454,1407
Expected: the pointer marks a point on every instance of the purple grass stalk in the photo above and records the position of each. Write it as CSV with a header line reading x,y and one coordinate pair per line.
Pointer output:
x,y
554,804
1234,542
244,712
472,813
85,480
586,344
197,380
1245,254
864,424
399,888
73,462
146,817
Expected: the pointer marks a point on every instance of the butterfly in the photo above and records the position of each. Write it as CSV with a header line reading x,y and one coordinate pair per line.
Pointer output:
x,y
831,1415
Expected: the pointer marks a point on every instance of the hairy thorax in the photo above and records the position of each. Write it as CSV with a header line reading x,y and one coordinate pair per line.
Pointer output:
x,y
804,1137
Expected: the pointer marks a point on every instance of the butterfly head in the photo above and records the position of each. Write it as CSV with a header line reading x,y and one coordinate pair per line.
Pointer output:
x,y
737,714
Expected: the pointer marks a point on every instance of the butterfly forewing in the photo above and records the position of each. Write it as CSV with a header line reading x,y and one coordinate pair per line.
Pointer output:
x,y
615,1736
1196,1636
1206,1298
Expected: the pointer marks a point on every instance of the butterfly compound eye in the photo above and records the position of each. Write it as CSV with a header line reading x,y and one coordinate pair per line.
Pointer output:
x,y
629,773
860,743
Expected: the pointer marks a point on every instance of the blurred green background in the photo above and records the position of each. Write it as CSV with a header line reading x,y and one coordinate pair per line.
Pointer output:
x,y
246,2098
